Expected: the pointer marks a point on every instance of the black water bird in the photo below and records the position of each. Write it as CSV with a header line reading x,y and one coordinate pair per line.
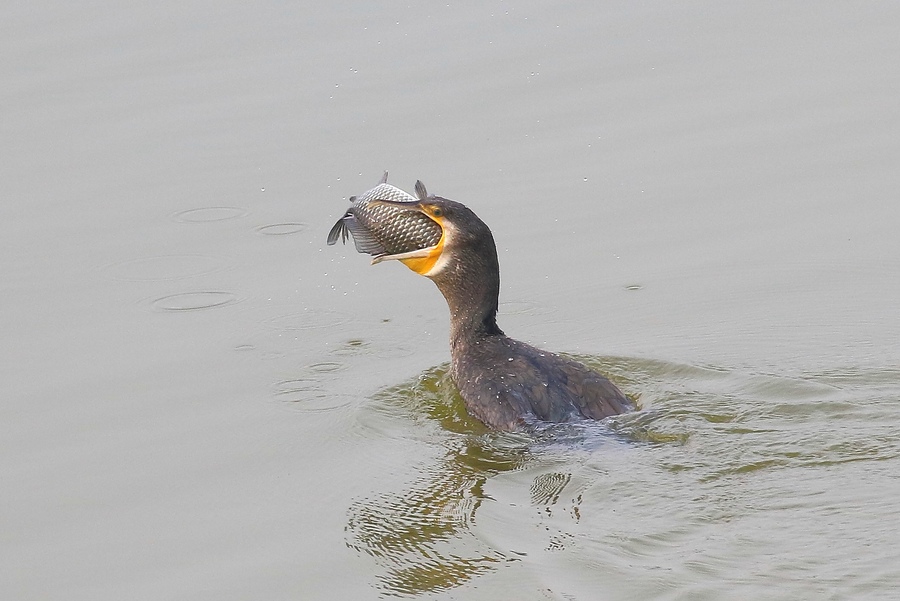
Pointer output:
x,y
505,383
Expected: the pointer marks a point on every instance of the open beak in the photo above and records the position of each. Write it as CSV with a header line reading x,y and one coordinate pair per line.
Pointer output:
x,y
422,260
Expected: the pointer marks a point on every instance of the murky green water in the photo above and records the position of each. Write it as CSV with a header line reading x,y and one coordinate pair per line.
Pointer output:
x,y
201,400
723,482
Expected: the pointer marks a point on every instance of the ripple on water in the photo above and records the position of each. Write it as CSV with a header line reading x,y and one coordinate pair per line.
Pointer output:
x,y
313,389
308,319
281,229
523,308
719,468
425,537
309,395
164,267
547,488
352,347
382,339
326,367
209,214
194,301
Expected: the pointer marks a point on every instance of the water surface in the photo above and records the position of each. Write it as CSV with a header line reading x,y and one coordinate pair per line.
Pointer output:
x,y
202,400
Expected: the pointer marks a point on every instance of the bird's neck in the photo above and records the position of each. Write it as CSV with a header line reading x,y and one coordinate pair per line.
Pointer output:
x,y
471,286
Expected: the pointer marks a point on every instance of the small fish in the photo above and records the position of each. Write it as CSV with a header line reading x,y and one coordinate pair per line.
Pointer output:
x,y
381,229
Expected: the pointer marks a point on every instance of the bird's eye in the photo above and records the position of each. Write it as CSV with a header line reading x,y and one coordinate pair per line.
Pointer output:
x,y
437,212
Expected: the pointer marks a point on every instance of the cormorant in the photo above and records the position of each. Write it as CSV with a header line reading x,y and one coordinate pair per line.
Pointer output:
x,y
505,383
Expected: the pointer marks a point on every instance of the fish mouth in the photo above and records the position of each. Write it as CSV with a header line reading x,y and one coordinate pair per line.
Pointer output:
x,y
421,260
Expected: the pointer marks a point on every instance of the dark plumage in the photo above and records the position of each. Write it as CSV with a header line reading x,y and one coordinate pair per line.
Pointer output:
x,y
505,383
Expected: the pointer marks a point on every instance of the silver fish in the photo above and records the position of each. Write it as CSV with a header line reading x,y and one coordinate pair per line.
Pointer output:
x,y
383,229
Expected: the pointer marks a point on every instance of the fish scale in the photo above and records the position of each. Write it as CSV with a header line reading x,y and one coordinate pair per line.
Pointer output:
x,y
380,229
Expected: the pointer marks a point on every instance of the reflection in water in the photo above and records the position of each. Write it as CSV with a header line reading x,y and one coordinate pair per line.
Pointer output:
x,y
716,469
422,537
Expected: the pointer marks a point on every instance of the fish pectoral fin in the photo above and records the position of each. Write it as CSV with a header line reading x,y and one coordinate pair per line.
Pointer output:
x,y
339,230
363,239
421,253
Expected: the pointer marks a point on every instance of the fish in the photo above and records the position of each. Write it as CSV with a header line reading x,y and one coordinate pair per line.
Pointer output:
x,y
382,229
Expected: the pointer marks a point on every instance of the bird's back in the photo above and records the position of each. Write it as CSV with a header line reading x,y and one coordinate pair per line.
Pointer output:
x,y
507,383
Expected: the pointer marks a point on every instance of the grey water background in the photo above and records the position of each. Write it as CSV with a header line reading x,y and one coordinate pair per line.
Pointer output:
x,y
202,400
